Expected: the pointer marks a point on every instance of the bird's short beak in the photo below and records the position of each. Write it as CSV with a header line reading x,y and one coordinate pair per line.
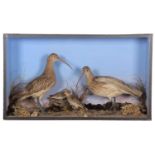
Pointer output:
x,y
63,61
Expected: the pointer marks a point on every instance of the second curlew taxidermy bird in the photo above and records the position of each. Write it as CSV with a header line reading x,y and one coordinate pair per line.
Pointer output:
x,y
40,85
107,86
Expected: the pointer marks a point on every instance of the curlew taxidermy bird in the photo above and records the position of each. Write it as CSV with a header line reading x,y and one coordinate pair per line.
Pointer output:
x,y
107,86
40,85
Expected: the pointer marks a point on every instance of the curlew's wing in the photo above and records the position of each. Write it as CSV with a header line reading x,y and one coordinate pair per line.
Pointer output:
x,y
40,83
109,79
119,84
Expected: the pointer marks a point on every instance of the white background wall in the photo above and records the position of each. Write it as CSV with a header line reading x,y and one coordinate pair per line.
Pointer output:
x,y
76,137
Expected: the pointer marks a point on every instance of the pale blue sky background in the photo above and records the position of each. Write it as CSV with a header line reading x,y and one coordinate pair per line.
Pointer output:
x,y
125,58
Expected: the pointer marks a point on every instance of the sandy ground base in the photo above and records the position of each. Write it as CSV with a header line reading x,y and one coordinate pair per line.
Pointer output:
x,y
90,114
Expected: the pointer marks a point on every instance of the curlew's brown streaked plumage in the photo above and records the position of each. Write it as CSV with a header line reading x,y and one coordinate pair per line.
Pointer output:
x,y
40,85
107,86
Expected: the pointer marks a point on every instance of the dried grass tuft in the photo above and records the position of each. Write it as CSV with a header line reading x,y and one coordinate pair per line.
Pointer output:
x,y
131,109
139,85
21,112
22,108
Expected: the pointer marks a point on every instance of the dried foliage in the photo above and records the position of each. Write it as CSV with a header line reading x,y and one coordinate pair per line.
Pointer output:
x,y
22,108
131,109
15,90
140,86
21,112
35,113
58,103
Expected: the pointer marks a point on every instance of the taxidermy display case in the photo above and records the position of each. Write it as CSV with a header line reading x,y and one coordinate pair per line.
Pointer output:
x,y
105,77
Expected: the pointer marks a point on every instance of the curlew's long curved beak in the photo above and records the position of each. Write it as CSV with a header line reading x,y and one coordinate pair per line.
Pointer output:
x,y
63,61
79,79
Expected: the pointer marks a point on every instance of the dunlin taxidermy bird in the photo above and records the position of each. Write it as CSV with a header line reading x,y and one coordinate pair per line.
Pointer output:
x,y
74,102
58,96
40,85
58,99
107,86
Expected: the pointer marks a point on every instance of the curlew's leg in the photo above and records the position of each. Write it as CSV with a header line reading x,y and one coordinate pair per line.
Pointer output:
x,y
113,100
39,104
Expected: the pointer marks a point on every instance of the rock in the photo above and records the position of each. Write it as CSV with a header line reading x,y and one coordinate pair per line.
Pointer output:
x,y
35,114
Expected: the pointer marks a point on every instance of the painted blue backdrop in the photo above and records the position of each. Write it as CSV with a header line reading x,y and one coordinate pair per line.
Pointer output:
x,y
125,58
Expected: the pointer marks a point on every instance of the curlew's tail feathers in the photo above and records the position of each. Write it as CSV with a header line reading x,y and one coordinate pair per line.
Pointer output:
x,y
21,96
136,92
139,90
